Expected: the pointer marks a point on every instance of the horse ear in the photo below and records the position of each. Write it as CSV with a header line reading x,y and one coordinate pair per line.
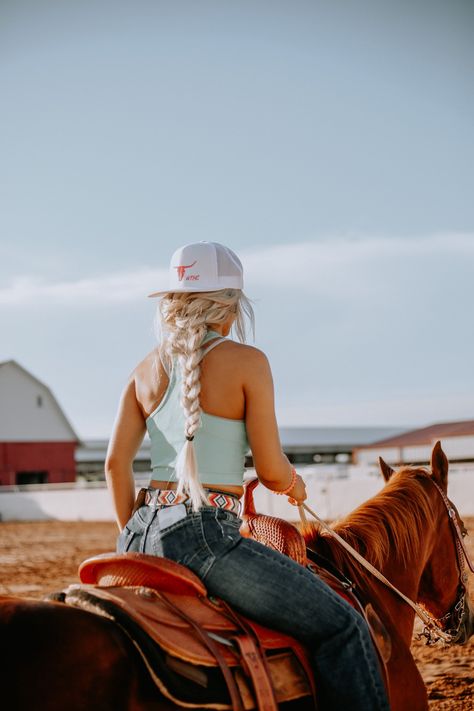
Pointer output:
x,y
439,465
385,469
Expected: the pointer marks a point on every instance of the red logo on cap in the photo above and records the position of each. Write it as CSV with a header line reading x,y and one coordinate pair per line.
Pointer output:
x,y
182,269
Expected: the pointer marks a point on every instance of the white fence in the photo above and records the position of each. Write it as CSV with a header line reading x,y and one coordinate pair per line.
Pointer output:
x,y
333,491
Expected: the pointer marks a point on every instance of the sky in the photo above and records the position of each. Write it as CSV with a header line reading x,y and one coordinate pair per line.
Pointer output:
x,y
329,144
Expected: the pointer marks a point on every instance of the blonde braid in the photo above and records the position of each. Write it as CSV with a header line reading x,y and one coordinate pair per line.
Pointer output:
x,y
185,341
191,384
184,319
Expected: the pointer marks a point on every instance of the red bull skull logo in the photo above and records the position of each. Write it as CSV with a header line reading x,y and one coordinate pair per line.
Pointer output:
x,y
182,269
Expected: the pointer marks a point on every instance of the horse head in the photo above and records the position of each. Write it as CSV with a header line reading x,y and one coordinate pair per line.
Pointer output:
x,y
443,588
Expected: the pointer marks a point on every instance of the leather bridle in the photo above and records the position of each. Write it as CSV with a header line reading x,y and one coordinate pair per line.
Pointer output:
x,y
435,629
460,610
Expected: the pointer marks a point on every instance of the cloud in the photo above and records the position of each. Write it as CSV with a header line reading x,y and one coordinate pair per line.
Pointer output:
x,y
335,265
117,288
353,264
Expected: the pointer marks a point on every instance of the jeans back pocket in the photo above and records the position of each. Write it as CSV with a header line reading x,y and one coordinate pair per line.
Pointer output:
x,y
129,538
124,540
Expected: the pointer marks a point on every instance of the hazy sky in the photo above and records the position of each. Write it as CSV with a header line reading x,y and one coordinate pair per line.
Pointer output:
x,y
330,144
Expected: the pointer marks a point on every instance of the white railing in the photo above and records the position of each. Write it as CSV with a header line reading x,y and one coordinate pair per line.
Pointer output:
x,y
333,491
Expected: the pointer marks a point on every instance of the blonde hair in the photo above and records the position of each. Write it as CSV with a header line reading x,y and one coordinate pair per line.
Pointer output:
x,y
184,322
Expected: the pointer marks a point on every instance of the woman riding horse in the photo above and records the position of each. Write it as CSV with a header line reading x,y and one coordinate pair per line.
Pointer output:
x,y
204,400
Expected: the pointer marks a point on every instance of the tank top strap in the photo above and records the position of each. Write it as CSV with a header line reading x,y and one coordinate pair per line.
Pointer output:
x,y
210,335
215,338
165,362
212,345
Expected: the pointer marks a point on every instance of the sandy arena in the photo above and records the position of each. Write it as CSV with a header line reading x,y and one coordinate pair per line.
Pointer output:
x,y
40,557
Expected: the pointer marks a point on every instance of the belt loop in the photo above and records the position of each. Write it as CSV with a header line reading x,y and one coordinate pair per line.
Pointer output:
x,y
140,500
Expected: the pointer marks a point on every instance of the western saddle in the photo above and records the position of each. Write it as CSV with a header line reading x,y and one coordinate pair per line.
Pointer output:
x,y
199,652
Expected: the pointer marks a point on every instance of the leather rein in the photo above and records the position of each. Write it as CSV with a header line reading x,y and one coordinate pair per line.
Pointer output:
x,y
434,629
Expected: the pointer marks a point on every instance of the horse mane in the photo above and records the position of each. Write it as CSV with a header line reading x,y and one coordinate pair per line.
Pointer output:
x,y
392,523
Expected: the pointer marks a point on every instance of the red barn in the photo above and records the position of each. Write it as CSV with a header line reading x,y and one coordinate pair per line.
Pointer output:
x,y
37,442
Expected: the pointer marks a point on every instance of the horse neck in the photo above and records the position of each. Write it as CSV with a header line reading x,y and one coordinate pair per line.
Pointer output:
x,y
395,531
420,541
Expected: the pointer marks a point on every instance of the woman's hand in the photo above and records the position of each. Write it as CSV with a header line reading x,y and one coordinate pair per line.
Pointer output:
x,y
297,494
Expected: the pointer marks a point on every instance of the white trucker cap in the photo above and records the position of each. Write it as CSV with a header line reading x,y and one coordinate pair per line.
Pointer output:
x,y
203,266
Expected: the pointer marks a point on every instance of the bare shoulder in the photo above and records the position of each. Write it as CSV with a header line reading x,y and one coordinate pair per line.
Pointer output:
x,y
150,363
248,357
255,355
150,381
244,350
148,372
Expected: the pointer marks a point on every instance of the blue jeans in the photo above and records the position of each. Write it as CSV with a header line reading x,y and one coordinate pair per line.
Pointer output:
x,y
277,592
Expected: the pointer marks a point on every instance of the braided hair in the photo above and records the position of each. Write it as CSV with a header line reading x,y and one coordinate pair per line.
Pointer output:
x,y
185,318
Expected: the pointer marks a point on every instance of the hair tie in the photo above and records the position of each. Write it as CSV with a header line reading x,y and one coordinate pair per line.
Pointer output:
x,y
190,438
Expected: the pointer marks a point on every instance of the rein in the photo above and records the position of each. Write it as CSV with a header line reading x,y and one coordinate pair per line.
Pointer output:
x,y
432,630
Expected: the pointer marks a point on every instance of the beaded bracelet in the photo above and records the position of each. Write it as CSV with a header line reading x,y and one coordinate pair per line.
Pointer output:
x,y
291,485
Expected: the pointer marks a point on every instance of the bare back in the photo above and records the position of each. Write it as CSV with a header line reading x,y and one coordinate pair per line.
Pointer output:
x,y
222,381
236,384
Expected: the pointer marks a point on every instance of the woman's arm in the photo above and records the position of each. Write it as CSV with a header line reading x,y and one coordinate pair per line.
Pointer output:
x,y
272,466
127,436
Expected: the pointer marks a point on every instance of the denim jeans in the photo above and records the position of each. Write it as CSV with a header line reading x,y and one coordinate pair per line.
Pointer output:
x,y
277,592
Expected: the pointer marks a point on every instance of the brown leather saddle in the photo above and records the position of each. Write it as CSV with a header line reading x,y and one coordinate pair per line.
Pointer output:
x,y
223,660
199,652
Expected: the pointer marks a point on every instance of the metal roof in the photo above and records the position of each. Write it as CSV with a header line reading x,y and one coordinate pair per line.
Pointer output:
x,y
426,435
340,437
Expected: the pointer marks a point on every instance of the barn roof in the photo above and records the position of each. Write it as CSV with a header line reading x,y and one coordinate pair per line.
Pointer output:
x,y
25,372
426,435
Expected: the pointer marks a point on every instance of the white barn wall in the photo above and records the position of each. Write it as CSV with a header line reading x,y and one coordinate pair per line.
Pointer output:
x,y
459,447
416,453
371,456
454,447
21,419
461,491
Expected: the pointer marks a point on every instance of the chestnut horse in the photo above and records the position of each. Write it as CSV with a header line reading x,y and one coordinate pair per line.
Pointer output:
x,y
405,531
58,657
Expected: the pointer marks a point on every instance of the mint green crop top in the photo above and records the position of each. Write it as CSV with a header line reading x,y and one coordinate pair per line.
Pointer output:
x,y
220,443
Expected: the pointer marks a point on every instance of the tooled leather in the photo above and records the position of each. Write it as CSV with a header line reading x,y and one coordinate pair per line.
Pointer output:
x,y
273,532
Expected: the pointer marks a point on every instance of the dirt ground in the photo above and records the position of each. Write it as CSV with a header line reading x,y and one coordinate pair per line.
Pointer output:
x,y
37,558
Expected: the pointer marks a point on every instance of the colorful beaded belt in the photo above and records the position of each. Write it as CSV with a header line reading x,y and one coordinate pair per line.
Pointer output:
x,y
169,497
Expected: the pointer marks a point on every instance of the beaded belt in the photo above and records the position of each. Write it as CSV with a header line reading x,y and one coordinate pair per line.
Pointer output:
x,y
169,497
